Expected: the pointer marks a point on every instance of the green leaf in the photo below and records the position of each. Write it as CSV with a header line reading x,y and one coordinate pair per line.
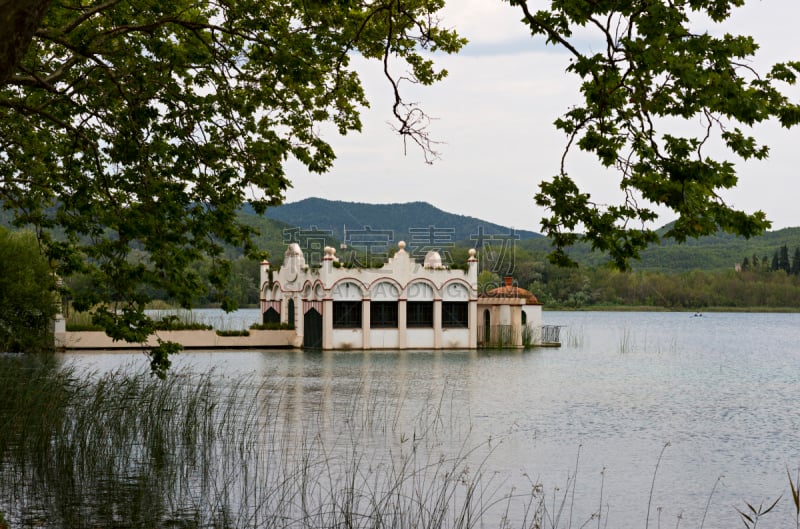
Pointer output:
x,y
656,73
132,132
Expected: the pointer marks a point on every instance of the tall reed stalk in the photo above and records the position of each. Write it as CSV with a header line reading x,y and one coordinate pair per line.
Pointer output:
x,y
119,450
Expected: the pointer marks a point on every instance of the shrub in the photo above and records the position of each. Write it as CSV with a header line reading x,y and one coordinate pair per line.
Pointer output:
x,y
234,332
82,322
172,322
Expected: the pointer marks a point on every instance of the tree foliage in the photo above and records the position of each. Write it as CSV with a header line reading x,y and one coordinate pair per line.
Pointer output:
x,y
27,298
134,129
652,78
602,287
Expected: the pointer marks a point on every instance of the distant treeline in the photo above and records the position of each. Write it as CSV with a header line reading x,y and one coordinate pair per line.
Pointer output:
x,y
758,282
768,284
780,261
754,287
687,290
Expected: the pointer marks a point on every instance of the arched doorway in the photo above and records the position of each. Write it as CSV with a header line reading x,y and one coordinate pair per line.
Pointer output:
x,y
312,329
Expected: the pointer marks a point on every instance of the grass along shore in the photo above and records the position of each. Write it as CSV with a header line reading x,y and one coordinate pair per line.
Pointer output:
x,y
650,308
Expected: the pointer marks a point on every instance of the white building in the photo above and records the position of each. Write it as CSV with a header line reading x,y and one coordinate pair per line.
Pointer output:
x,y
402,305
509,316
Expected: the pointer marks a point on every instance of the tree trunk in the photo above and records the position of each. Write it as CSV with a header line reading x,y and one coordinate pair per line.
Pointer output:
x,y
19,20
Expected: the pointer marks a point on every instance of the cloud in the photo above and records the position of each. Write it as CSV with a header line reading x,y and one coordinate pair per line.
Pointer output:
x,y
494,115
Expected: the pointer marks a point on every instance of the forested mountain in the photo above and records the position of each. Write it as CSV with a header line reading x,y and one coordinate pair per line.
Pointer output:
x,y
426,224
275,235
293,222
408,221
716,252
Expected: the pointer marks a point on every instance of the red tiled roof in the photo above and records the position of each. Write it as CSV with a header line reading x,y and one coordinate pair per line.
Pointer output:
x,y
513,293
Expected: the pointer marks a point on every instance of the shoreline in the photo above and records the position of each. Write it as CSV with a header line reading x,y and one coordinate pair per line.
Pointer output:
x,y
648,308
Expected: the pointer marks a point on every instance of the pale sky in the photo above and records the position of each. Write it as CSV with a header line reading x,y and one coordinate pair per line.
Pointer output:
x,y
494,116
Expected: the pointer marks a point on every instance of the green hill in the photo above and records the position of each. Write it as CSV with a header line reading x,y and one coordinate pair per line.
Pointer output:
x,y
418,222
275,235
318,223
715,252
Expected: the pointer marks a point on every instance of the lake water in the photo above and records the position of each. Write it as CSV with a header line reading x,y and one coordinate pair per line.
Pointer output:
x,y
712,400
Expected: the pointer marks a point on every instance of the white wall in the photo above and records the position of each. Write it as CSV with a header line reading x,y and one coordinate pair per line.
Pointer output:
x,y
347,339
419,291
455,338
504,317
533,316
533,313
384,339
419,338
384,291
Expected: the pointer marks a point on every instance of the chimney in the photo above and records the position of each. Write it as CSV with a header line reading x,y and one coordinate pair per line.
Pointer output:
x,y
508,280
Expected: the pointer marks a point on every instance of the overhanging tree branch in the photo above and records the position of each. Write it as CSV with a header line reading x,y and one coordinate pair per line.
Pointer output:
x,y
147,125
656,70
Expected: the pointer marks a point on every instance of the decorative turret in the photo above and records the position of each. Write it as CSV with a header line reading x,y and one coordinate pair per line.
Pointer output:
x,y
472,268
264,276
329,259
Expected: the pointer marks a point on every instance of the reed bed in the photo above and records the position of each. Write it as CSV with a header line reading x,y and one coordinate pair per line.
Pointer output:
x,y
200,451
573,337
168,320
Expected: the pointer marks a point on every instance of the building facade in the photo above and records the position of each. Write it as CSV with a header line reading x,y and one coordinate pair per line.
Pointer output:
x,y
401,305
509,316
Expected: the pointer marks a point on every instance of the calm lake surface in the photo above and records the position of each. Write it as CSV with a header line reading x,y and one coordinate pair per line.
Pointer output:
x,y
718,394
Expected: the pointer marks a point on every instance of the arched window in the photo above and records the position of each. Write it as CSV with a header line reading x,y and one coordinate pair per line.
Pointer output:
x,y
383,307
455,314
487,326
455,306
271,316
347,298
419,307
290,314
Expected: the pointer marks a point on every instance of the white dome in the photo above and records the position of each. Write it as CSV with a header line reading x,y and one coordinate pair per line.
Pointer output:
x,y
293,260
293,250
433,260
